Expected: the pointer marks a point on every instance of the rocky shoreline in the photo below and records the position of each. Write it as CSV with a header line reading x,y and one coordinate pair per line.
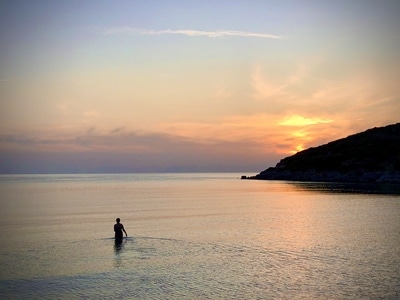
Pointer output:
x,y
372,156
358,176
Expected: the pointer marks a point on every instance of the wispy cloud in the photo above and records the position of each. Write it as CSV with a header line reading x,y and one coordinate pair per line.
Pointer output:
x,y
192,33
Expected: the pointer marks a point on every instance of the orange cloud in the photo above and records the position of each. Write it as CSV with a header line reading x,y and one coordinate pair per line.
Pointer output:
x,y
297,120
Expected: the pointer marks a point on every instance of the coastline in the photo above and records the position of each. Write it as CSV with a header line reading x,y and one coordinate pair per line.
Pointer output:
x,y
357,176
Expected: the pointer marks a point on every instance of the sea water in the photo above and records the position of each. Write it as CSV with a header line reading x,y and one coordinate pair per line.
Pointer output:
x,y
195,236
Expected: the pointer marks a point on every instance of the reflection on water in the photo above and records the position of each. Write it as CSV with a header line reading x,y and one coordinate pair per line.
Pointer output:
x,y
342,187
169,269
196,237
117,250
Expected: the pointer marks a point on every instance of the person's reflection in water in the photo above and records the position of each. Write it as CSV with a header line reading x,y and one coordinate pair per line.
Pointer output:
x,y
117,256
118,229
118,247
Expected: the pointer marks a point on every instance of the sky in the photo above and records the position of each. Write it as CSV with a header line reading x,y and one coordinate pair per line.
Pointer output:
x,y
190,86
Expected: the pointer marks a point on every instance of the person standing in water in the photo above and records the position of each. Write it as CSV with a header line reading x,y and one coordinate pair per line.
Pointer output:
x,y
118,228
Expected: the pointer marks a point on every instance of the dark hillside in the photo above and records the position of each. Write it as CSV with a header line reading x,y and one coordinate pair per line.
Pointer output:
x,y
369,156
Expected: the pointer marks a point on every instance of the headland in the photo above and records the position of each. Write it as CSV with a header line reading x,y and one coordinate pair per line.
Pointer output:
x,y
369,156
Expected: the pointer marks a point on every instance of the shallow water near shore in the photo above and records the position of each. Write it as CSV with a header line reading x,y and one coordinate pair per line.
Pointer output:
x,y
195,236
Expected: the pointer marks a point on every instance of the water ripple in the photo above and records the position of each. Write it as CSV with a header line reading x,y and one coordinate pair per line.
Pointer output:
x,y
151,268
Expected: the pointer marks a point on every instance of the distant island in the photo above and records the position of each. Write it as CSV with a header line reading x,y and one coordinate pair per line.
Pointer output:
x,y
370,156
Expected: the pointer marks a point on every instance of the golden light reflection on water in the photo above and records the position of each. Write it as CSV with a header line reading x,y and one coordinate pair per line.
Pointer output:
x,y
289,218
256,239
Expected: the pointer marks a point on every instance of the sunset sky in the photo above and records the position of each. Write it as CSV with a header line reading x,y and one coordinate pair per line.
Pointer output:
x,y
179,86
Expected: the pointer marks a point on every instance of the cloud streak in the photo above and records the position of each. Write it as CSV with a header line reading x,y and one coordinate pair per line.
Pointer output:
x,y
192,33
121,151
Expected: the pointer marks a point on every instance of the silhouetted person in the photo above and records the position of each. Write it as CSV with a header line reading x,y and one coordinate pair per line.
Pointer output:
x,y
118,228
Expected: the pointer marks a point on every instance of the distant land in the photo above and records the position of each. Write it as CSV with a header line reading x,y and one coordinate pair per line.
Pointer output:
x,y
366,157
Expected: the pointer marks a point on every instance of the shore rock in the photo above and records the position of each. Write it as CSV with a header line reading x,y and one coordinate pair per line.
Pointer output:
x,y
369,156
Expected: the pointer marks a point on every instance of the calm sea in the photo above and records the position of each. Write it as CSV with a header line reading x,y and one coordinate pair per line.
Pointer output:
x,y
195,236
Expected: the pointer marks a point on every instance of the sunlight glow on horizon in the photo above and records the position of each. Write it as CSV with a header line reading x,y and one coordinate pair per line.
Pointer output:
x,y
166,86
